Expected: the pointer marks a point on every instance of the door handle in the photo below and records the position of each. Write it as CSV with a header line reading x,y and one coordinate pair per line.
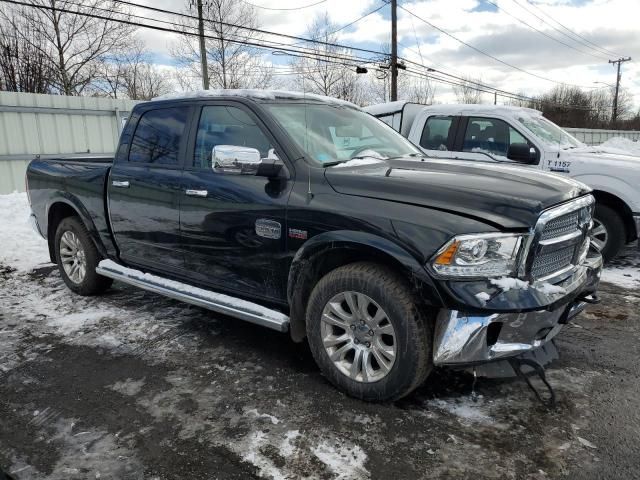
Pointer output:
x,y
124,184
197,193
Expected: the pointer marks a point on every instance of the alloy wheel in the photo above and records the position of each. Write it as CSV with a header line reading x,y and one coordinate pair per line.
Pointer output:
x,y
599,235
73,257
358,337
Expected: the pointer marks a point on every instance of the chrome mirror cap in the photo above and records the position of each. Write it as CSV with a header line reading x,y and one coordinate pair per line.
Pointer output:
x,y
235,159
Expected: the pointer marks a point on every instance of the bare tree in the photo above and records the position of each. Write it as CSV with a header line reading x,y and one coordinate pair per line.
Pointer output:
x,y
231,63
23,68
467,91
421,90
320,72
132,74
76,42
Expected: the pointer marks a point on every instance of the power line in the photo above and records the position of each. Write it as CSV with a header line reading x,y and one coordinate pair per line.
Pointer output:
x,y
544,33
488,54
573,34
344,60
284,9
242,27
281,47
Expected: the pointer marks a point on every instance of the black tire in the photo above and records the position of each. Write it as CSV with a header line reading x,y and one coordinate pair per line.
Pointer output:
x,y
92,283
413,360
616,232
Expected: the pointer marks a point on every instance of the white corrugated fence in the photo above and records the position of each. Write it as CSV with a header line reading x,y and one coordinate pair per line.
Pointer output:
x,y
34,124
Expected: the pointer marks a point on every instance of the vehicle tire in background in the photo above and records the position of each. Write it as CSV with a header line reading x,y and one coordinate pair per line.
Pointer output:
x,y
367,334
78,257
608,234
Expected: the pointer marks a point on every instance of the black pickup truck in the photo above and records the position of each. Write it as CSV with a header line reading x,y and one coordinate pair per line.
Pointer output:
x,y
304,214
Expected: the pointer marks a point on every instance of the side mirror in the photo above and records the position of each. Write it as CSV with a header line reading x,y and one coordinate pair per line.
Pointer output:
x,y
233,159
521,152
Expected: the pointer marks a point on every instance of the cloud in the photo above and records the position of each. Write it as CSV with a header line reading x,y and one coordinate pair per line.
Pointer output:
x,y
609,24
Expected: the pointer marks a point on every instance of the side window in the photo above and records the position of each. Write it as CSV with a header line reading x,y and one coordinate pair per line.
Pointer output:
x,y
158,135
490,135
224,125
436,133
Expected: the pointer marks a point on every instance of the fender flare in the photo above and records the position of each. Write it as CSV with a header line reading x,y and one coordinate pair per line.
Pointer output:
x,y
74,203
301,274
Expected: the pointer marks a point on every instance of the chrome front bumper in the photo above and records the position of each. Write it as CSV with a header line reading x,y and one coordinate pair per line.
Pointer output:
x,y
466,339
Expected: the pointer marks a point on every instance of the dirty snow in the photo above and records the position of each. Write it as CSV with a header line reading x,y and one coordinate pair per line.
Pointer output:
x,y
20,246
346,461
626,277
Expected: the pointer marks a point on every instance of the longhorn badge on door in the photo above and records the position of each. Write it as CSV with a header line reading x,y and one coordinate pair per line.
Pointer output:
x,y
268,228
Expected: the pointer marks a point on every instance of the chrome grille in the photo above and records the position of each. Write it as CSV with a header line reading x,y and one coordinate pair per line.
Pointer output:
x,y
548,263
561,226
554,249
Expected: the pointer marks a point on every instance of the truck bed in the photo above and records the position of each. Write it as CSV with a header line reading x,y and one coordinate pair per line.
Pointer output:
x,y
58,183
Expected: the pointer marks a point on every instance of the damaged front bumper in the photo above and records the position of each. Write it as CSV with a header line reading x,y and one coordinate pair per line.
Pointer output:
x,y
466,338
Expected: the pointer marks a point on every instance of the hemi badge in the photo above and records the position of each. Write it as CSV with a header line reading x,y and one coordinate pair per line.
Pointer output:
x,y
299,234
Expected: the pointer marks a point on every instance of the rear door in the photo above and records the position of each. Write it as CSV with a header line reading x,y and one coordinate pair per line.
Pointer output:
x,y
437,135
145,186
233,225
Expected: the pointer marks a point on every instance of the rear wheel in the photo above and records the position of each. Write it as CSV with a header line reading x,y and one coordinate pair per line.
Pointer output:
x,y
608,233
367,334
78,257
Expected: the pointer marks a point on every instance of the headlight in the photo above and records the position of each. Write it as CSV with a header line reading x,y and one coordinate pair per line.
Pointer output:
x,y
478,255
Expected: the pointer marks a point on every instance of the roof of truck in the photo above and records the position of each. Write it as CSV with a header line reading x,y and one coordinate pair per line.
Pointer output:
x,y
453,108
255,95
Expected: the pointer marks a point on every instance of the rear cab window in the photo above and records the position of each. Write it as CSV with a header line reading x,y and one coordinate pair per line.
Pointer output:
x,y
437,133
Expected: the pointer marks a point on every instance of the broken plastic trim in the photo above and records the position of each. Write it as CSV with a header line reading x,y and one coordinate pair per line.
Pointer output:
x,y
517,363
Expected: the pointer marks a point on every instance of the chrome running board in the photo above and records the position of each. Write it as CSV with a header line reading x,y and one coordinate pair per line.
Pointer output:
x,y
217,302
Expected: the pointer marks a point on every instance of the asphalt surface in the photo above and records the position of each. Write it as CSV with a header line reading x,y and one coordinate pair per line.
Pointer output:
x,y
131,385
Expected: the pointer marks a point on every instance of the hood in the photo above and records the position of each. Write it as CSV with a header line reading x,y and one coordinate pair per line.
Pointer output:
x,y
507,197
604,155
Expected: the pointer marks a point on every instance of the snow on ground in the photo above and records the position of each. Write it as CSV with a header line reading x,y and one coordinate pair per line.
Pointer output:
x,y
20,247
623,144
626,277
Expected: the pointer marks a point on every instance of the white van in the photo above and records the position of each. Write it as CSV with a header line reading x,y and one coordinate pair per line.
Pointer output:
x,y
493,133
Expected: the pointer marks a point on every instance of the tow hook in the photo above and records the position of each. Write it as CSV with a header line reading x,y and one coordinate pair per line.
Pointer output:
x,y
516,363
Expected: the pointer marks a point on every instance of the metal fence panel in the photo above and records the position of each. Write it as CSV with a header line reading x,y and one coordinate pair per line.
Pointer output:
x,y
597,136
34,124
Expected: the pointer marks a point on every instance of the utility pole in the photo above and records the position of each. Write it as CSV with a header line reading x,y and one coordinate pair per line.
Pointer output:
x,y
394,51
614,117
495,98
203,50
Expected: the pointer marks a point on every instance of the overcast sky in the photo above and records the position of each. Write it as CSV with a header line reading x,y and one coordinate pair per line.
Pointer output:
x,y
612,25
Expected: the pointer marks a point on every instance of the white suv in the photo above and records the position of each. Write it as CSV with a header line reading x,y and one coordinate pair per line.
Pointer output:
x,y
490,133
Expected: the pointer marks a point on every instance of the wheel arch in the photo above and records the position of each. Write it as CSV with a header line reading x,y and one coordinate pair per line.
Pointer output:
x,y
621,206
63,207
325,252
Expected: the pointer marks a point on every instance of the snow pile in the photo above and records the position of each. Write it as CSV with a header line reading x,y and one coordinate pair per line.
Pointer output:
x,y
359,162
625,277
20,246
623,145
510,283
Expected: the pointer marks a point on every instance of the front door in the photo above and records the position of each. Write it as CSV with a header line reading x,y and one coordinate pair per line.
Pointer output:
x,y
144,190
233,225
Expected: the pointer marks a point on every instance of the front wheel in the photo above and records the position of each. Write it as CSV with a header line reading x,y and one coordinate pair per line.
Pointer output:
x,y
367,334
78,257
608,233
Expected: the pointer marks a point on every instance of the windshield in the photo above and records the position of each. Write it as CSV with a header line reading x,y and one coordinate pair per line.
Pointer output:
x,y
549,132
336,133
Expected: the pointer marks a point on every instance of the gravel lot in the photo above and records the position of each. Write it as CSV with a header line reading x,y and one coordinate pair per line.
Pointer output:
x,y
131,385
